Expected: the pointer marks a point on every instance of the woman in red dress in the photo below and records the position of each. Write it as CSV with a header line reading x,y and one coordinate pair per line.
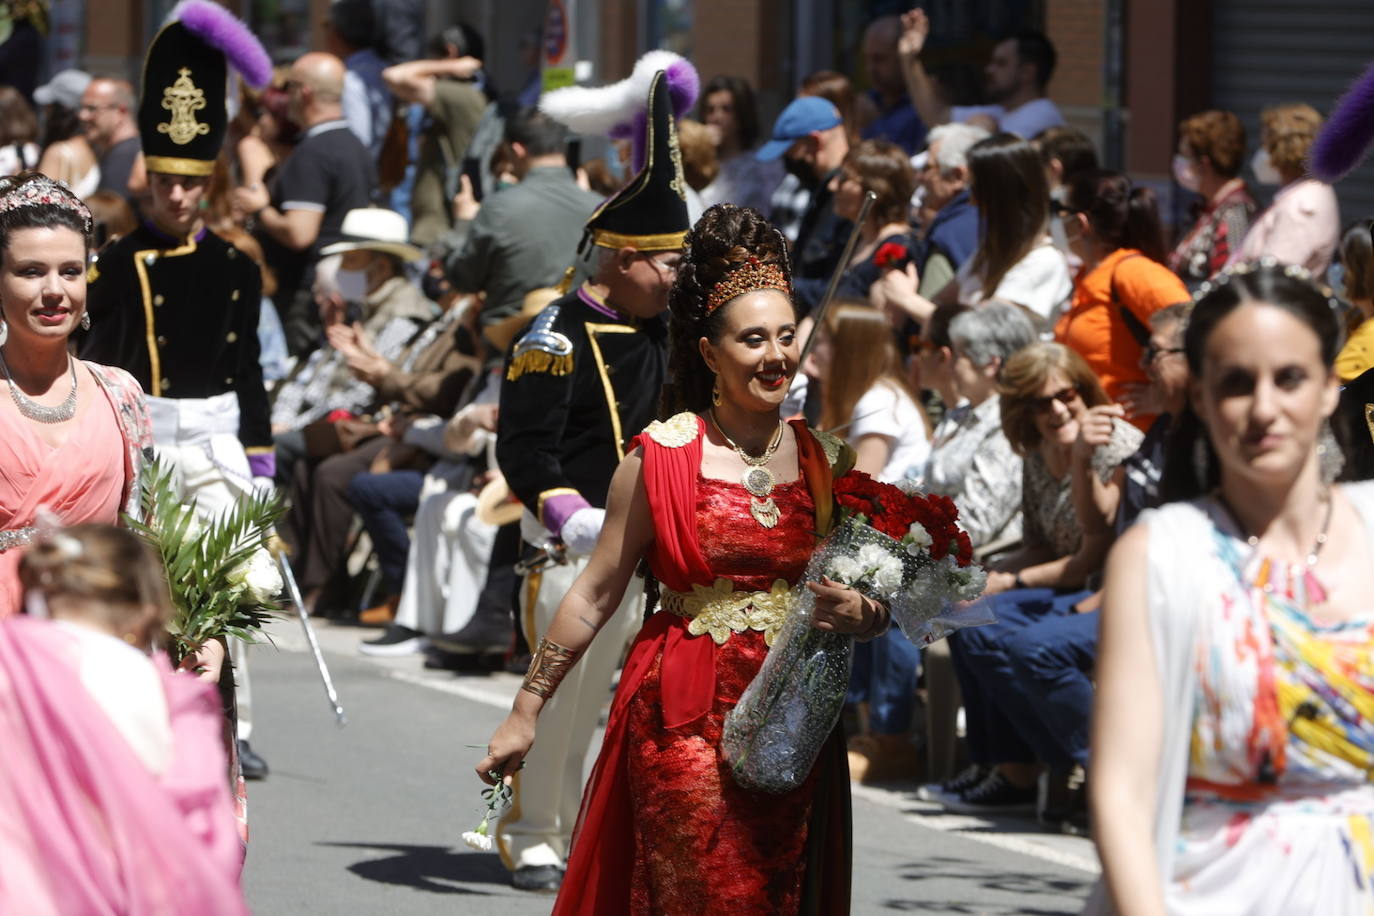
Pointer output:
x,y
725,500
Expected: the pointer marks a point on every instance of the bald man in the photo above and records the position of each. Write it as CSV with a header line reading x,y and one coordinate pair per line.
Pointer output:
x,y
107,119
896,119
329,173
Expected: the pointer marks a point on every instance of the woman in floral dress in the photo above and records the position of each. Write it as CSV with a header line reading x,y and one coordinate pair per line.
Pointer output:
x,y
1234,735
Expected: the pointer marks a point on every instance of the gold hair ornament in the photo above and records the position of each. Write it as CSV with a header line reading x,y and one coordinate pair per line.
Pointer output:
x,y
751,275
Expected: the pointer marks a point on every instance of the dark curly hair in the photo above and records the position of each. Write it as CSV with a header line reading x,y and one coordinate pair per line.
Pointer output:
x,y
41,215
724,237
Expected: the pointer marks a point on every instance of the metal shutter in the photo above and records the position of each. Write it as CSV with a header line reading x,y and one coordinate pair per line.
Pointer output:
x,y
1268,52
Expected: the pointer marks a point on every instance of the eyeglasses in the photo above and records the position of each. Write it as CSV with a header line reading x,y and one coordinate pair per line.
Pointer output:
x,y
95,108
1064,396
670,266
1153,353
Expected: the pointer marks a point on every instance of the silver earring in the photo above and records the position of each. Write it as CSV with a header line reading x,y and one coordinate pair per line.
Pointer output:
x,y
4,332
85,321
1330,458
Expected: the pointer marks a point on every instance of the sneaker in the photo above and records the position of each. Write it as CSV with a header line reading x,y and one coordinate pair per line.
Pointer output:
x,y
994,795
395,642
966,779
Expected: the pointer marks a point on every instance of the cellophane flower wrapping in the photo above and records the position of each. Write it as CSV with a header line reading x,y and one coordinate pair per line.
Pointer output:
x,y
903,549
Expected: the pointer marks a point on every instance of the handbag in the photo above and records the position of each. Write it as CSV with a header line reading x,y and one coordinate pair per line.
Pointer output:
x,y
324,438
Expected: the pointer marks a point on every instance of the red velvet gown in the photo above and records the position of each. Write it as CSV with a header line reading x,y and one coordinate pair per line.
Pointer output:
x,y
664,826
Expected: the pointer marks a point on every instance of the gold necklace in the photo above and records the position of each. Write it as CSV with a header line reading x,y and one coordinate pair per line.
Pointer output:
x,y
757,479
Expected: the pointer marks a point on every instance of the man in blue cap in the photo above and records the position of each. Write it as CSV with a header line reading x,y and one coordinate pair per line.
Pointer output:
x,y
809,135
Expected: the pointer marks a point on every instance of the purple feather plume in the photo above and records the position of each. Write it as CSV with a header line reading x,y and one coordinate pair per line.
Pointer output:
x,y
221,29
684,85
1345,139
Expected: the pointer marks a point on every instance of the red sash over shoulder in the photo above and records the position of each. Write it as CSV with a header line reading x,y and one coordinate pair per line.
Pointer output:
x,y
598,876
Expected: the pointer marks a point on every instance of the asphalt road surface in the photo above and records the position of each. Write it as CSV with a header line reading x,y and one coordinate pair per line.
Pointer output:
x,y
368,819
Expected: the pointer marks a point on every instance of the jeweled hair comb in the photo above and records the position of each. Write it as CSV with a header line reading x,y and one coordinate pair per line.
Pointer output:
x,y
41,190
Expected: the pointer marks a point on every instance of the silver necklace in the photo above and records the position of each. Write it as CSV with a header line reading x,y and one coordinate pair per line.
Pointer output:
x,y
757,479
37,412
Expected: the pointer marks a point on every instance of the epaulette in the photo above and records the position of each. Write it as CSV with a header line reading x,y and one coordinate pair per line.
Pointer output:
x,y
542,349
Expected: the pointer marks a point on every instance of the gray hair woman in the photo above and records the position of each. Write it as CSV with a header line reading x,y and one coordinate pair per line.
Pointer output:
x,y
971,461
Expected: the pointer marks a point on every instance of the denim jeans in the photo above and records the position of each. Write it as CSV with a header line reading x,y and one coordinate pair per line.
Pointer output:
x,y
1052,663
1003,720
884,675
384,502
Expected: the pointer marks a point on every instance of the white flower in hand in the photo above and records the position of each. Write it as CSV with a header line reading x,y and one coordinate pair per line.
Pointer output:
x,y
889,574
479,839
845,570
259,578
917,539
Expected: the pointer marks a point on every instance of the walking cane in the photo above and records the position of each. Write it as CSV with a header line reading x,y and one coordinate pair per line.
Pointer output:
x,y
295,592
818,315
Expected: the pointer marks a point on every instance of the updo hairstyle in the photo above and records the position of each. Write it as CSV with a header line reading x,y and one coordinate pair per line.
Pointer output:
x,y
725,237
120,576
71,214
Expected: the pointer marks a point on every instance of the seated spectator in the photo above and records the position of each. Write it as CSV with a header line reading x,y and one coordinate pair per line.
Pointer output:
x,y
1015,260
928,367
1017,76
1064,151
454,103
389,309
886,238
1211,150
951,235
728,111
114,784
789,201
1357,270
1114,231
1303,224
971,460
1073,442
866,399
67,155
894,118
813,141
350,35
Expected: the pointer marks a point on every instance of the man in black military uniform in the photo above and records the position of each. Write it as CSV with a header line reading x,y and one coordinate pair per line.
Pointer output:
x,y
581,382
177,306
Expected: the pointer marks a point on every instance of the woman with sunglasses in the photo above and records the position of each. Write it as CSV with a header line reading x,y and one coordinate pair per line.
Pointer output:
x,y
1072,441
1114,230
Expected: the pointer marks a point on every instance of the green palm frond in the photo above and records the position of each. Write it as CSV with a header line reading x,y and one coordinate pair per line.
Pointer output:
x,y
206,561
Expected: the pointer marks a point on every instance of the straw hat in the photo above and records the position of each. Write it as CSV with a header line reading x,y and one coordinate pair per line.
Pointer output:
x,y
503,333
497,505
374,229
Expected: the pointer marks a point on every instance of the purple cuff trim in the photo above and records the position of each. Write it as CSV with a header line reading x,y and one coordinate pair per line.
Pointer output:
x,y
263,464
558,509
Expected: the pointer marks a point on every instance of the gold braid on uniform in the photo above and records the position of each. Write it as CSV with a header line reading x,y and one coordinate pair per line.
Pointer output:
x,y
549,666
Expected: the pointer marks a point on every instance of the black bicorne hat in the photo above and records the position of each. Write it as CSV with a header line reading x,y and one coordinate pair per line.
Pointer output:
x,y
650,213
183,106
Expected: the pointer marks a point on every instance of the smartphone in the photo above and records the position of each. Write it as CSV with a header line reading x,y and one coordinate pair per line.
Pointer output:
x,y
574,154
353,313
472,168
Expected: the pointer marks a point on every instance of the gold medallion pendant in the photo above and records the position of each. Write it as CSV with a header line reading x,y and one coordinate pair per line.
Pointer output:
x,y
759,482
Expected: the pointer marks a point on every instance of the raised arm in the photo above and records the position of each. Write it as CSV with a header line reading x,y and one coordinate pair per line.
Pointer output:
x,y
929,105
1127,732
590,602
413,81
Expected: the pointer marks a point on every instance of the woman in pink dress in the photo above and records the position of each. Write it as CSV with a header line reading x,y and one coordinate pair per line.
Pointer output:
x,y
72,434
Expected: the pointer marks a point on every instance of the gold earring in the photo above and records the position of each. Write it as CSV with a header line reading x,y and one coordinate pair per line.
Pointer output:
x,y
715,393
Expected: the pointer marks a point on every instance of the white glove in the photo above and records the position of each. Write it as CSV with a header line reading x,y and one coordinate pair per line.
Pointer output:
x,y
581,530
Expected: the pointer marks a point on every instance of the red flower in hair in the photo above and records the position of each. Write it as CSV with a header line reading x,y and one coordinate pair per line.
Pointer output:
x,y
890,254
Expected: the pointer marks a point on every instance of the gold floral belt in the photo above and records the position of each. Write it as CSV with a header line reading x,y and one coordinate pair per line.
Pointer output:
x,y
720,610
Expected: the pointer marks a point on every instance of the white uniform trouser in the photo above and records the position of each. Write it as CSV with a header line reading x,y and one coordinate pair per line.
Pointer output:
x,y
199,438
450,552
548,791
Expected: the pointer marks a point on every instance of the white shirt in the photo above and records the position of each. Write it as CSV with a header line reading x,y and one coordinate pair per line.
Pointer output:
x,y
1026,121
1040,282
888,412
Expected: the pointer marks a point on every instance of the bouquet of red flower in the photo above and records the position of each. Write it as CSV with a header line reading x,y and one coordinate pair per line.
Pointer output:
x,y
891,254
902,548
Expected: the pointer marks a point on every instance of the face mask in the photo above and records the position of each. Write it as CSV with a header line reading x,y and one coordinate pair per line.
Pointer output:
x,y
1185,173
1264,170
352,284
